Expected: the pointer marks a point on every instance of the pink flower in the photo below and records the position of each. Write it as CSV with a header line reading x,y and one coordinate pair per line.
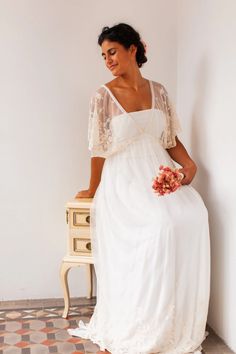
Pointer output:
x,y
168,180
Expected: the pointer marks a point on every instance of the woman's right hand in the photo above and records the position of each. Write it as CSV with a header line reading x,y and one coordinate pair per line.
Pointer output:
x,y
85,194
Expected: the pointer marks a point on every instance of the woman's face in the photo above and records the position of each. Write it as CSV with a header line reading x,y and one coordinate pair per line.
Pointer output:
x,y
117,58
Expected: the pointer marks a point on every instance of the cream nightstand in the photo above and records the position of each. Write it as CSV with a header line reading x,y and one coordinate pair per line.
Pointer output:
x,y
78,245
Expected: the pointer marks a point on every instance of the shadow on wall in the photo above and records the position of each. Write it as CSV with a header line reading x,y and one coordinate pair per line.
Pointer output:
x,y
201,138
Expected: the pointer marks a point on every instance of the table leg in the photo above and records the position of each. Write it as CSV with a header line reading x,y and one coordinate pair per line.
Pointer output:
x,y
65,267
90,280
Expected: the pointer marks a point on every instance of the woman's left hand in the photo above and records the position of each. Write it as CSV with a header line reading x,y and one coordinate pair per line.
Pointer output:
x,y
189,172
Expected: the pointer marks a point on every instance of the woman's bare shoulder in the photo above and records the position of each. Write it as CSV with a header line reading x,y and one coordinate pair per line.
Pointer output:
x,y
112,84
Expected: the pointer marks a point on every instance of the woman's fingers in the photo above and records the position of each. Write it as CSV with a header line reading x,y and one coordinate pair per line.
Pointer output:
x,y
189,173
84,194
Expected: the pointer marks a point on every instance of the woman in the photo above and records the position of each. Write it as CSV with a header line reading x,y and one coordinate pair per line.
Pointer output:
x,y
151,253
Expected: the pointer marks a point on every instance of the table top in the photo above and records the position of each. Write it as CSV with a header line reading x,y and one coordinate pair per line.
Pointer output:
x,y
79,203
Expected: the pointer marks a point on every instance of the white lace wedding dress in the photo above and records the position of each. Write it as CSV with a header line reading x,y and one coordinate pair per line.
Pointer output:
x,y
151,253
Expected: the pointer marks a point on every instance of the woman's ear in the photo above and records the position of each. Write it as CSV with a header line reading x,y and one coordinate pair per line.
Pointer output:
x,y
133,49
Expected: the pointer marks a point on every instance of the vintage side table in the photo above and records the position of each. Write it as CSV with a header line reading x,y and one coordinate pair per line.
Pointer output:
x,y
79,250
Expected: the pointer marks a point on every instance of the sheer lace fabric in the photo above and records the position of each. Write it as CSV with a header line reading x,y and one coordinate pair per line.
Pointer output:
x,y
104,142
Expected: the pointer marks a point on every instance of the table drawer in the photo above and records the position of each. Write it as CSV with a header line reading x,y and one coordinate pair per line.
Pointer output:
x,y
79,217
81,246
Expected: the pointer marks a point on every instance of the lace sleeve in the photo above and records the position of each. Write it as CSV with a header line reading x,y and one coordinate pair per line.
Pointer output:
x,y
99,132
172,126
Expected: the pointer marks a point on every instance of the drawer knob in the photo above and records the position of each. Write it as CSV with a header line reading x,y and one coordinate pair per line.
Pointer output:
x,y
88,246
88,219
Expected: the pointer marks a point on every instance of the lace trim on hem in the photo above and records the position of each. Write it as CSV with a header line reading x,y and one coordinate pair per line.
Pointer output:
x,y
83,332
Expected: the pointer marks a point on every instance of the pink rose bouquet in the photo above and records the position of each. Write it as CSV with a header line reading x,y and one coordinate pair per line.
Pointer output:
x,y
168,180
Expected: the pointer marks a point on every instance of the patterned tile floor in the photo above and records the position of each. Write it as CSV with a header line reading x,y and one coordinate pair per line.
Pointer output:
x,y
41,329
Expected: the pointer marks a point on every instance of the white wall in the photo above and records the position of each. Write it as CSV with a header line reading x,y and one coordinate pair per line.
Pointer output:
x,y
50,64
206,102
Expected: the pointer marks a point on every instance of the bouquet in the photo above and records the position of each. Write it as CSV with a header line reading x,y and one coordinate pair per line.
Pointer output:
x,y
168,180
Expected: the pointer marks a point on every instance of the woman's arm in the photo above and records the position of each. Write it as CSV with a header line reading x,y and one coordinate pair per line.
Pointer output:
x,y
179,154
96,172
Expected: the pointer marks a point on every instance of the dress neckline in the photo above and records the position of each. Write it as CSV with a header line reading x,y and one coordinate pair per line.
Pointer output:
x,y
122,108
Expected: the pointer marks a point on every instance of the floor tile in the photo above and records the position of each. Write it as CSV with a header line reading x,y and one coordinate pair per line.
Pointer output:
x,y
41,329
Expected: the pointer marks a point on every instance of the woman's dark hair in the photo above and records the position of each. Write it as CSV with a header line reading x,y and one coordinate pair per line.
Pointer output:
x,y
125,35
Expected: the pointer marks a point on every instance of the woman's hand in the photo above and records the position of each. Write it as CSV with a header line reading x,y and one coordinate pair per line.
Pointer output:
x,y
85,194
96,172
189,172
179,154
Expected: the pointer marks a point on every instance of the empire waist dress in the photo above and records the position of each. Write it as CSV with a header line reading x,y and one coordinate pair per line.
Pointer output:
x,y
151,253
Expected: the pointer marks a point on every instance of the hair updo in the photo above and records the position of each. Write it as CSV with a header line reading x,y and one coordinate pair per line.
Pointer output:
x,y
125,35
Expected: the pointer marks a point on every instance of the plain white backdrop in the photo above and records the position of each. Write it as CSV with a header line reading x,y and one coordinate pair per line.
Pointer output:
x,y
50,65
